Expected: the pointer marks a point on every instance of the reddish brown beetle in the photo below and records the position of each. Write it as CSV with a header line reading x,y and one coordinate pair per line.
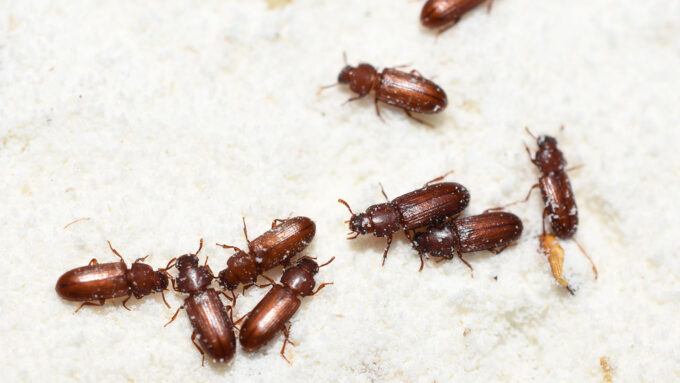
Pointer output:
x,y
434,203
408,91
279,305
211,323
488,231
444,14
101,281
276,246
558,197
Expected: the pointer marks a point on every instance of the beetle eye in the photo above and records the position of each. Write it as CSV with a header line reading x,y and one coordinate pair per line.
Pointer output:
x,y
343,77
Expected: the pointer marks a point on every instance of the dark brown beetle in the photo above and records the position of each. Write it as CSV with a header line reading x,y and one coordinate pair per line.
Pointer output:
x,y
279,305
434,203
101,281
444,14
488,231
408,91
276,246
558,197
212,325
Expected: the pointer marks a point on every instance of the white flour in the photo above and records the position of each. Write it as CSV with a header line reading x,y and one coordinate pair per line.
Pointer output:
x,y
164,122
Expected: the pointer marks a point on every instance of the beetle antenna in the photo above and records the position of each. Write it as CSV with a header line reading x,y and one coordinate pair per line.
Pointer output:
x,y
344,57
326,264
164,301
342,201
526,128
200,246
170,264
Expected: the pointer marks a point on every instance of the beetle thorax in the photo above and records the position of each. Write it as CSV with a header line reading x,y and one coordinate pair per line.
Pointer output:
x,y
299,279
240,269
192,280
438,241
384,218
549,159
361,79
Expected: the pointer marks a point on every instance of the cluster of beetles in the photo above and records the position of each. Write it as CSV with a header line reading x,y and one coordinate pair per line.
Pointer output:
x,y
429,217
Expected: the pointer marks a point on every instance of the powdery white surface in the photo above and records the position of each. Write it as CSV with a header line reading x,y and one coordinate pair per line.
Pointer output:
x,y
164,122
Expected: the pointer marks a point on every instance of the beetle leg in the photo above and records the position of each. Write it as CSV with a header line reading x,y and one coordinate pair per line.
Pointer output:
x,y
193,340
416,73
271,282
174,316
472,275
225,295
321,286
286,333
587,256
377,110
408,113
389,242
115,252
531,190
125,301
353,98
276,221
489,4
101,303
498,250
240,319
441,177
93,261
141,259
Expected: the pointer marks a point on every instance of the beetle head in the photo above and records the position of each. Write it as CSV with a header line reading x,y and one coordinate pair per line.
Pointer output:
x,y
345,74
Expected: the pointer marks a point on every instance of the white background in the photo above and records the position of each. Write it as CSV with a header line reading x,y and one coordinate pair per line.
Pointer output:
x,y
166,121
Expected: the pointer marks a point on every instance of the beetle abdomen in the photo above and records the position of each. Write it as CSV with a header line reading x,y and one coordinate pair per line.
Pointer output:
x,y
432,204
410,92
487,231
93,282
282,242
268,317
560,204
211,322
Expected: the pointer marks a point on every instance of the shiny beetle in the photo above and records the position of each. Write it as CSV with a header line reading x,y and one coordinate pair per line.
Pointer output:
x,y
488,231
276,246
209,318
408,91
558,197
279,305
444,14
433,203
101,281
551,248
